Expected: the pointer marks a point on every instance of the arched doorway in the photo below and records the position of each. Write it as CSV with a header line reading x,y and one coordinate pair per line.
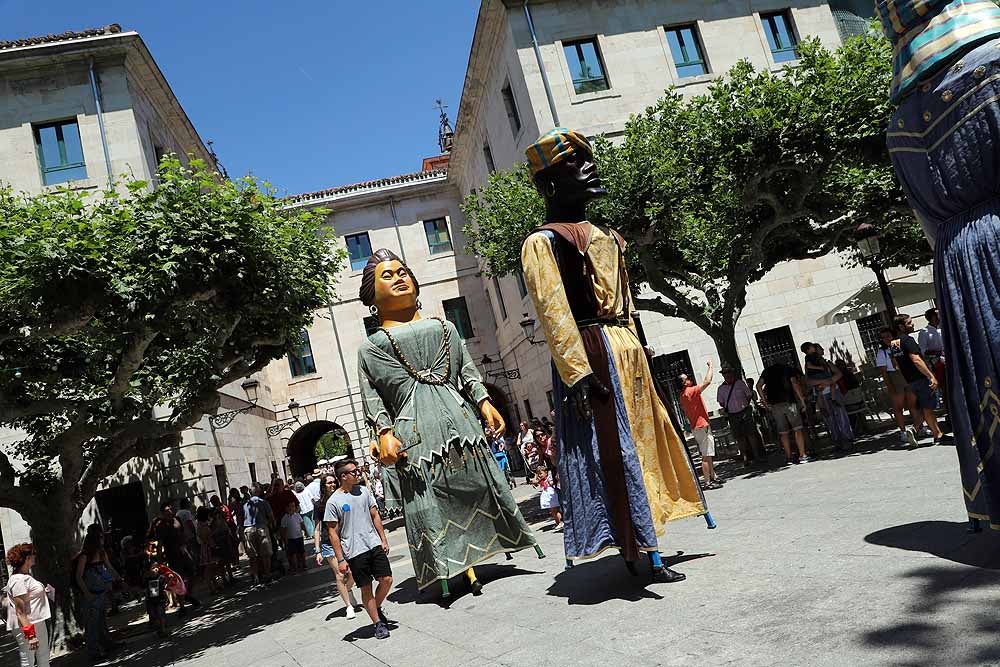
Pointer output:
x,y
499,400
302,446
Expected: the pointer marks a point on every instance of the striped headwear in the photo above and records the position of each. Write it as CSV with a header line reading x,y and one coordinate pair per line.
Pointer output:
x,y
928,34
554,146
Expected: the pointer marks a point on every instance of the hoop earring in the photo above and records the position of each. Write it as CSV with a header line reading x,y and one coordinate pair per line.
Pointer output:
x,y
551,190
373,309
419,307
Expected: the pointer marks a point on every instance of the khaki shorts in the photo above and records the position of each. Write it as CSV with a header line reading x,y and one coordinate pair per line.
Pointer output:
x,y
786,417
706,443
258,542
897,384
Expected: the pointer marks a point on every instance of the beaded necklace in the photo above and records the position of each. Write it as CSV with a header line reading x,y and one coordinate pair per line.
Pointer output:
x,y
425,377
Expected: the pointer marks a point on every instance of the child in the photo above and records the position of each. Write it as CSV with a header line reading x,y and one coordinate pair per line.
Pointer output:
x,y
358,540
549,499
292,531
156,598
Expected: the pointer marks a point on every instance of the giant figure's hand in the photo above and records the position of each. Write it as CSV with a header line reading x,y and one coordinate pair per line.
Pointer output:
x,y
494,422
578,396
387,449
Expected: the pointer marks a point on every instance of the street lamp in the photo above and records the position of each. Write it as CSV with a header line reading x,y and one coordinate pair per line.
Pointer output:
x,y
295,409
249,387
867,238
512,374
528,329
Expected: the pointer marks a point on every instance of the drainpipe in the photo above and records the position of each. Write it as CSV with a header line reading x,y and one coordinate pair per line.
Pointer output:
x,y
347,379
541,66
100,122
395,223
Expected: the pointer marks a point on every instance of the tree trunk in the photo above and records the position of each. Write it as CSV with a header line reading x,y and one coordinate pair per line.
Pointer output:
x,y
725,344
53,536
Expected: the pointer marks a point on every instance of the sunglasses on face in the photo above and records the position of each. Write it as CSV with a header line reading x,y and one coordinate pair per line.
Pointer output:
x,y
355,472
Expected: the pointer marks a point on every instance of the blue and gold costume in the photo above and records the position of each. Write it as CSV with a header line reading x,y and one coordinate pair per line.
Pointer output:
x,y
944,141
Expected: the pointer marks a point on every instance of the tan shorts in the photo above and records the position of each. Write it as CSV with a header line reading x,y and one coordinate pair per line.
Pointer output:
x,y
786,417
706,443
897,383
258,542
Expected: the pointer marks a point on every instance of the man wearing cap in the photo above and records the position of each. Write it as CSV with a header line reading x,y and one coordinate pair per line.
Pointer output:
x,y
944,140
609,417
734,397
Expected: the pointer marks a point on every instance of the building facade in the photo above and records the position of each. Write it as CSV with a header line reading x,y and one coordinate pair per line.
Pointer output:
x,y
588,65
79,110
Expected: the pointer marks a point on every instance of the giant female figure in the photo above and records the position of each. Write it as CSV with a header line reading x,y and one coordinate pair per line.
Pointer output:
x,y
623,469
944,141
423,399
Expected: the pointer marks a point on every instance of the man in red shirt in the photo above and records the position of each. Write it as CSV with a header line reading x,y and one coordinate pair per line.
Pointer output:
x,y
697,415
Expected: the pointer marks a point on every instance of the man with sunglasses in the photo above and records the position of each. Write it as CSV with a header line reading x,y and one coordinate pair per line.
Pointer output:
x,y
358,540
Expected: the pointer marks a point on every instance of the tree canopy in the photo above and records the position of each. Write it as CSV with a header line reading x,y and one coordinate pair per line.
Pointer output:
x,y
123,313
713,191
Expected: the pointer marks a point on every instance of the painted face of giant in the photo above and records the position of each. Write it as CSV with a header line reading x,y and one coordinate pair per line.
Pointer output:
x,y
394,288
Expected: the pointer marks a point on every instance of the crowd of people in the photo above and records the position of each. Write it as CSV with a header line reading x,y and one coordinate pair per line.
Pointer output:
x,y
784,402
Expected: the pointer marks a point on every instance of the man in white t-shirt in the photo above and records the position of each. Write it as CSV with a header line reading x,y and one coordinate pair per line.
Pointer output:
x,y
305,506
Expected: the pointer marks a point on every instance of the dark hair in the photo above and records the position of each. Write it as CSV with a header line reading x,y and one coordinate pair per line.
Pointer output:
x,y
18,554
339,466
166,505
805,347
234,493
900,320
202,514
215,500
888,330
367,290
324,494
930,312
92,544
185,503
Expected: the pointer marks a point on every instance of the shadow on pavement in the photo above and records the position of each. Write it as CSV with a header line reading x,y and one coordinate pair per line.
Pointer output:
x,y
944,539
223,621
948,603
598,581
406,591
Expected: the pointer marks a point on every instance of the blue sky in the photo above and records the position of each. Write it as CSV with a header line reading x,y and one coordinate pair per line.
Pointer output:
x,y
305,94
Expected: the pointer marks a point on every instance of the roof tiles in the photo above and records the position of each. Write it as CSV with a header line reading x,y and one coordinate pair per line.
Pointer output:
x,y
365,186
61,37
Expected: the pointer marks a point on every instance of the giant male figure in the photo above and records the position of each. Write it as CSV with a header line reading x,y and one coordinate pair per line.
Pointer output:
x,y
622,468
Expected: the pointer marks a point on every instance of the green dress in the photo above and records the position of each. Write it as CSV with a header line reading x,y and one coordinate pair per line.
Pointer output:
x,y
456,503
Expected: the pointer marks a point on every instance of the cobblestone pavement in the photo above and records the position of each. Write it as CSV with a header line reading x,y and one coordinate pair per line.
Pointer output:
x,y
857,560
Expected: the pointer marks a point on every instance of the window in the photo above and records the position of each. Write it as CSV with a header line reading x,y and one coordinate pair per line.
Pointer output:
x,y
253,472
511,105
585,66
853,17
301,361
488,156
359,248
780,36
60,153
527,410
869,327
685,47
777,345
274,469
550,400
438,238
371,325
284,470
456,311
500,303
522,287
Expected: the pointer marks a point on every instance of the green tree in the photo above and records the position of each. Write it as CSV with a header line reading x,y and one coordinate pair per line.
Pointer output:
x,y
329,445
714,191
123,314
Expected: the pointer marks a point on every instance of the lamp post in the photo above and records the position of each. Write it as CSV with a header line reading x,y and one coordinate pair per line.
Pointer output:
x,y
226,418
512,374
528,329
866,236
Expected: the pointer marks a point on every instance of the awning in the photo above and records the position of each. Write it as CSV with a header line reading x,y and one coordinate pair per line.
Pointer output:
x,y
868,301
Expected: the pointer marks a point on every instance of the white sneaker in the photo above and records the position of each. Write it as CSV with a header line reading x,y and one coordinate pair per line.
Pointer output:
x,y
910,437
350,612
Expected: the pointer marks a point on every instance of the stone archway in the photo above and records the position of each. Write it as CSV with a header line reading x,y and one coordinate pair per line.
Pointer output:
x,y
301,448
499,400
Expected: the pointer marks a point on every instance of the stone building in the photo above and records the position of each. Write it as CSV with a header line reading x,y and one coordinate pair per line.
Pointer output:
x,y
81,109
588,65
